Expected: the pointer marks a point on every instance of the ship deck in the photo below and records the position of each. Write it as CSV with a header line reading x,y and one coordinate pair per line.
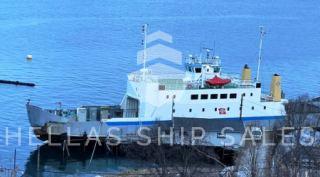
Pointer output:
x,y
180,82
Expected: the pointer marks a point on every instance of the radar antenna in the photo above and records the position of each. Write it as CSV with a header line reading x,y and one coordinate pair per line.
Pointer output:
x,y
208,50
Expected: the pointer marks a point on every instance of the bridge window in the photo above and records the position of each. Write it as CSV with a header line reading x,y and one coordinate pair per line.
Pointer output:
x,y
223,96
198,70
214,96
161,87
233,95
194,97
204,96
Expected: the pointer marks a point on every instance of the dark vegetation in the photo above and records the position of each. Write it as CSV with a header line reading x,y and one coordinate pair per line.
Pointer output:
x,y
300,159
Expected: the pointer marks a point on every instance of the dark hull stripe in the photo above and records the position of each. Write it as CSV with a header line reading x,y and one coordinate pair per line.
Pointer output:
x,y
150,123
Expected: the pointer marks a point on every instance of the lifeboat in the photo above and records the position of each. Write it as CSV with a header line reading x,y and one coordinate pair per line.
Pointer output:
x,y
217,81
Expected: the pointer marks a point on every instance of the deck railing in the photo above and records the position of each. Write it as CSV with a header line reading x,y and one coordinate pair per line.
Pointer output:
x,y
176,82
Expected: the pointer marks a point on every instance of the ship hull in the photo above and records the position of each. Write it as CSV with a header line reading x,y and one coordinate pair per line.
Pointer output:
x,y
52,128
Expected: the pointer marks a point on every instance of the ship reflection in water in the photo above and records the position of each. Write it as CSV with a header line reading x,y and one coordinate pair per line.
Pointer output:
x,y
52,162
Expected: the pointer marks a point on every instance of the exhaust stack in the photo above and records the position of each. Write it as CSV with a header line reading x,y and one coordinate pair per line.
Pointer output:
x,y
246,74
275,90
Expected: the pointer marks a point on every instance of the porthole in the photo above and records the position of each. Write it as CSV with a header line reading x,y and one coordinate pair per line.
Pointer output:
x,y
190,110
203,109
221,135
252,107
264,107
198,133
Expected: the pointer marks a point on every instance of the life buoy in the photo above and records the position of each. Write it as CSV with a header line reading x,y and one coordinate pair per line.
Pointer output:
x,y
222,111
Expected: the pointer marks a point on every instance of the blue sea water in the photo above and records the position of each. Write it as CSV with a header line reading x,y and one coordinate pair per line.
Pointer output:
x,y
82,50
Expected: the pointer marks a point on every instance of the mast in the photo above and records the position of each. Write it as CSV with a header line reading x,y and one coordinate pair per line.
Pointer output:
x,y
145,31
262,33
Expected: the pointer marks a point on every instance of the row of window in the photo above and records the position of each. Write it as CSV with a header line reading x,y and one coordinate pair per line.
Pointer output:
x,y
215,96
197,133
198,70
216,109
212,96
203,109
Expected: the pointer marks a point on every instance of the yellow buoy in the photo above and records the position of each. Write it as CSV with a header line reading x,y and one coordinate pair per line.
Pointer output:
x,y
275,89
246,73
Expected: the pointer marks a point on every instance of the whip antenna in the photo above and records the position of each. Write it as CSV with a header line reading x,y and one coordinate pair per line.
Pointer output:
x,y
144,31
262,33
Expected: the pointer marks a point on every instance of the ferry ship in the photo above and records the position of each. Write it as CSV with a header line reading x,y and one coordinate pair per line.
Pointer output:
x,y
203,96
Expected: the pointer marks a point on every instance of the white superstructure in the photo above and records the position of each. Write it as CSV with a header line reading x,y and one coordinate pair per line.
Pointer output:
x,y
152,97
